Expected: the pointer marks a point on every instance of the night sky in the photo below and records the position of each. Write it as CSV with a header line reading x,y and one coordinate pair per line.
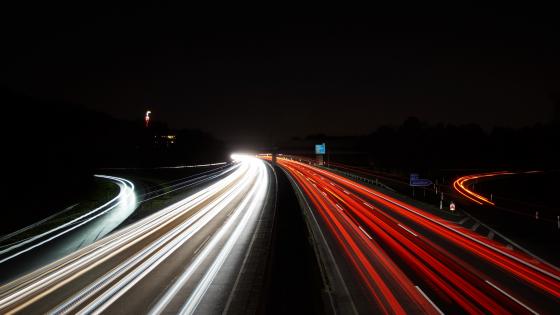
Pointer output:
x,y
275,76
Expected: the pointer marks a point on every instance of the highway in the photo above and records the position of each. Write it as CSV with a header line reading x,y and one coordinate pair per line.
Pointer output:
x,y
64,232
185,258
396,258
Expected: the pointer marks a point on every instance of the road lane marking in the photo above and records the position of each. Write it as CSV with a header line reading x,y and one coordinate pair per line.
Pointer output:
x,y
409,231
202,244
366,233
339,207
368,205
428,299
511,297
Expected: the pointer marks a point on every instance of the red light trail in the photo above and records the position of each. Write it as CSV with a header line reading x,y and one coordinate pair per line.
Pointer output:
x,y
394,247
460,185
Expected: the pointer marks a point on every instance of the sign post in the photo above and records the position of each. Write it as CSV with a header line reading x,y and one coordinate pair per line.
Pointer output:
x,y
320,151
415,181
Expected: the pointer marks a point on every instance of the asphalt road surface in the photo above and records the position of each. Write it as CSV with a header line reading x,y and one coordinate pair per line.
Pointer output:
x,y
185,258
393,257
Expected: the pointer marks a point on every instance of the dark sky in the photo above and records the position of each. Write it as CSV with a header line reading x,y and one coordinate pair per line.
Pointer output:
x,y
277,76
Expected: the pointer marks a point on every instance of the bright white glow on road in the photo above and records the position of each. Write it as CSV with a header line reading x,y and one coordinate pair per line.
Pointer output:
x,y
241,157
192,166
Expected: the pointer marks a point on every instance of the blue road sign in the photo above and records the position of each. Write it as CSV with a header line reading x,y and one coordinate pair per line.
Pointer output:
x,y
320,148
415,180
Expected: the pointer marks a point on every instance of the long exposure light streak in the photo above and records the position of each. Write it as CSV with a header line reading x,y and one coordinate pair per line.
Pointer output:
x,y
126,199
135,252
461,186
393,227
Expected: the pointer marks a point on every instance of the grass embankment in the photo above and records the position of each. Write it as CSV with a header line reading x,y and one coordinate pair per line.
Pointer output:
x,y
101,191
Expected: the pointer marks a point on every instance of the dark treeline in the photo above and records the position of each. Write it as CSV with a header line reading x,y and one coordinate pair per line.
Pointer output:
x,y
51,151
431,148
418,145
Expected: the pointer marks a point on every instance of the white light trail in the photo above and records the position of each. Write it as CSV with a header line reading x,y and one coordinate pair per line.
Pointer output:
x,y
241,193
189,228
256,197
58,273
126,199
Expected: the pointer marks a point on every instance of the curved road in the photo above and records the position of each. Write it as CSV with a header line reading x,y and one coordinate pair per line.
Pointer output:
x,y
185,258
28,254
